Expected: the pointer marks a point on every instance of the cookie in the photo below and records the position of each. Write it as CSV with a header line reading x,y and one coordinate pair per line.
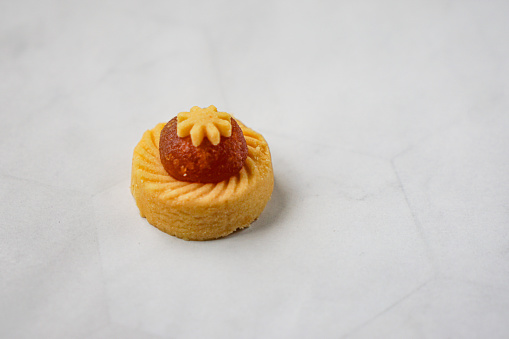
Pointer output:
x,y
196,209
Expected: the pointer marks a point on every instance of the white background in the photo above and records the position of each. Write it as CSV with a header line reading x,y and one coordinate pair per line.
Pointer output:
x,y
388,123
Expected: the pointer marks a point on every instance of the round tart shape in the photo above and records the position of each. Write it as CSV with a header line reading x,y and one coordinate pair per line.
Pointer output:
x,y
201,211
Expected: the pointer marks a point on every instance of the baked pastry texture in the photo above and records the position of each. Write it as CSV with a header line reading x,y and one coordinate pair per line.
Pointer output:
x,y
197,210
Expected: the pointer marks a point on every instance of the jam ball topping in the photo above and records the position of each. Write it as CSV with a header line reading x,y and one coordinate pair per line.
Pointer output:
x,y
203,146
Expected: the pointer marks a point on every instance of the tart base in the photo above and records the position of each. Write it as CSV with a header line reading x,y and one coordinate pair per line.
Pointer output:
x,y
198,211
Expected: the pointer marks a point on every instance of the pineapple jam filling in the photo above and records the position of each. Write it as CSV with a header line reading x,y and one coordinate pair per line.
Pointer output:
x,y
202,145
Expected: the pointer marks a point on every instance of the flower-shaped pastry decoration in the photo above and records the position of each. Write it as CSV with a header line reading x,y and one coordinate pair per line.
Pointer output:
x,y
204,122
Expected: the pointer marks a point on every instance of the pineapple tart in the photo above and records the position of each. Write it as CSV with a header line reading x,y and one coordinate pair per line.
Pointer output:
x,y
202,175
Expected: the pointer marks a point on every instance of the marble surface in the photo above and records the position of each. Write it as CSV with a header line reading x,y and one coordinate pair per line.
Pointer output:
x,y
388,124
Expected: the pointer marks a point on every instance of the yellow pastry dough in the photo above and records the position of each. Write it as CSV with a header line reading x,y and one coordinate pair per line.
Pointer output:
x,y
197,211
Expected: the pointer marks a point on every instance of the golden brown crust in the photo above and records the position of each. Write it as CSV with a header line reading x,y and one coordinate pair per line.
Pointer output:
x,y
201,211
206,162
